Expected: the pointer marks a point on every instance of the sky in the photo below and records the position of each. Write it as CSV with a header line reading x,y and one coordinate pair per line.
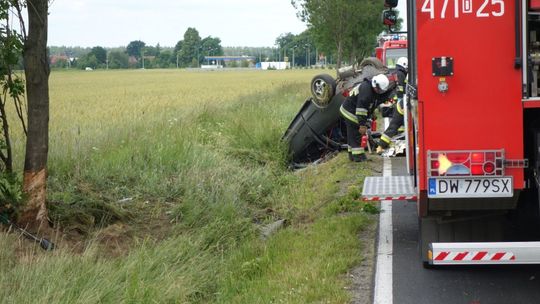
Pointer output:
x,y
113,23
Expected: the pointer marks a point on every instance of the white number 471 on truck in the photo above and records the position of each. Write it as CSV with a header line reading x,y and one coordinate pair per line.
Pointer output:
x,y
473,130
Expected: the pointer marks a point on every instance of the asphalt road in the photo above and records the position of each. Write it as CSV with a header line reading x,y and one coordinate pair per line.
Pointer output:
x,y
510,284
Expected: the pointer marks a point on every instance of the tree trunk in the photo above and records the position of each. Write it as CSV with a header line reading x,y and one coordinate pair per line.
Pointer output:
x,y
36,69
339,55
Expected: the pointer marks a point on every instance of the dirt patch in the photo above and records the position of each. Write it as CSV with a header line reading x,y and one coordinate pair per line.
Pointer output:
x,y
114,240
117,239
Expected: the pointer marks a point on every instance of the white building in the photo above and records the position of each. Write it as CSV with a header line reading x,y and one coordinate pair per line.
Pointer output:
x,y
278,65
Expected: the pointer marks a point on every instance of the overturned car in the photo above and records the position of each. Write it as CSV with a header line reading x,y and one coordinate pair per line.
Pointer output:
x,y
318,129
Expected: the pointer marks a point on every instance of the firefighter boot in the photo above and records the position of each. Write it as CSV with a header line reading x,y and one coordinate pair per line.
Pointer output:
x,y
384,141
382,145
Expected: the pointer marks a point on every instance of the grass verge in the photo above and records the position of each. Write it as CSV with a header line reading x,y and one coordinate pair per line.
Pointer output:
x,y
189,194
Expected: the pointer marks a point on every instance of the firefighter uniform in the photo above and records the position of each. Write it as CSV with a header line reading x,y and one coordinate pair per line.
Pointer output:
x,y
396,123
356,109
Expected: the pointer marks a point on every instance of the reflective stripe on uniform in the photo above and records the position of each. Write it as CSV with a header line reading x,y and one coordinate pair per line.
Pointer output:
x,y
401,129
361,111
348,115
357,151
399,109
400,88
386,138
354,91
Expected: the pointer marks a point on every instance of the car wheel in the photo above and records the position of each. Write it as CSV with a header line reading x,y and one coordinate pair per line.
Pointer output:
x,y
374,62
323,88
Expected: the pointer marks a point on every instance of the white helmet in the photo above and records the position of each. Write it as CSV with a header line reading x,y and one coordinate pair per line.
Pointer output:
x,y
380,82
403,61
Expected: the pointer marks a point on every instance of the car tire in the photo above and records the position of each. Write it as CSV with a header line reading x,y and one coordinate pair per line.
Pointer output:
x,y
374,62
323,88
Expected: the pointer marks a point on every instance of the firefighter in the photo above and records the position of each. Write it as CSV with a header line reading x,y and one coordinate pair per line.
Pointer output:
x,y
358,107
396,124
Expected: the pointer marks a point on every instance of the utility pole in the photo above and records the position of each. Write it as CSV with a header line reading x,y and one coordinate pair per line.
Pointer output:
x,y
142,55
293,56
177,59
209,54
307,55
198,56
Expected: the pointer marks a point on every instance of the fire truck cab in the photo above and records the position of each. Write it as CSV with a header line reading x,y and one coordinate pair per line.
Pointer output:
x,y
473,127
390,48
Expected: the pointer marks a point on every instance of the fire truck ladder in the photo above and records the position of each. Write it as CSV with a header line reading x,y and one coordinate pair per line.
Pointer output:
x,y
380,188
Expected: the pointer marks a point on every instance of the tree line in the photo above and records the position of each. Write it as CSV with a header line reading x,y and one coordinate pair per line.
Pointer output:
x,y
339,32
188,52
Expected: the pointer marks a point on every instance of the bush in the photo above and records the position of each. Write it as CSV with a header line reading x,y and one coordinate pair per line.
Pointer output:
x,y
10,193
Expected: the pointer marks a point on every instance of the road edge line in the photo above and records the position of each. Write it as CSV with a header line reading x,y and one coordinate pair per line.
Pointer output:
x,y
383,293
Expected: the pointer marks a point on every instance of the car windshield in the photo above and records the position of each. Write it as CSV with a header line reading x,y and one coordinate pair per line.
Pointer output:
x,y
392,56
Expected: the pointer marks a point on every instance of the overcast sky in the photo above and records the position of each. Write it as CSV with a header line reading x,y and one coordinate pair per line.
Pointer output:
x,y
111,23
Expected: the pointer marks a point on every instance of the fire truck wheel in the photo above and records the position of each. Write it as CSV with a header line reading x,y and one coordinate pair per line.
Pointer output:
x,y
323,88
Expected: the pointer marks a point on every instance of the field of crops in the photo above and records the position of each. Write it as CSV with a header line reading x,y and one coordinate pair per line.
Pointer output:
x,y
159,181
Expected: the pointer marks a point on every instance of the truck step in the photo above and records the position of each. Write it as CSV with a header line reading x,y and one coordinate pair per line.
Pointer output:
x,y
381,188
484,253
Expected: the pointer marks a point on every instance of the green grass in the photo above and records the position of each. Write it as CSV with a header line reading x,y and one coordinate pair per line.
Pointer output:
x,y
200,179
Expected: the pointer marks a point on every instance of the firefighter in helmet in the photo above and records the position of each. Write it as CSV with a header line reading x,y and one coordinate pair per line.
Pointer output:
x,y
358,107
396,123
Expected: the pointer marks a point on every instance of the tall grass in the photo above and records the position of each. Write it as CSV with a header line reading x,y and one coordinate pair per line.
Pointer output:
x,y
203,149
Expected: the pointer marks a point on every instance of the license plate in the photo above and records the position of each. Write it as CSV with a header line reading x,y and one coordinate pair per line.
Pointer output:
x,y
470,187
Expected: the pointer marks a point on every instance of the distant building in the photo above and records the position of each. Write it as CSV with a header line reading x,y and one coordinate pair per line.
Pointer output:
x,y
55,58
227,60
133,60
275,65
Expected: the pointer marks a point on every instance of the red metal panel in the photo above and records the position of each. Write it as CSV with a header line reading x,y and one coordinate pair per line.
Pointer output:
x,y
531,104
482,108
535,5
379,53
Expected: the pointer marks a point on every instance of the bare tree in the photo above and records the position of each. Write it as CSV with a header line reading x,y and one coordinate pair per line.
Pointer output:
x,y
37,72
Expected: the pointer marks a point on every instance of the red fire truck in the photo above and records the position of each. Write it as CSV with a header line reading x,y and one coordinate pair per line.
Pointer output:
x,y
473,123
390,48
